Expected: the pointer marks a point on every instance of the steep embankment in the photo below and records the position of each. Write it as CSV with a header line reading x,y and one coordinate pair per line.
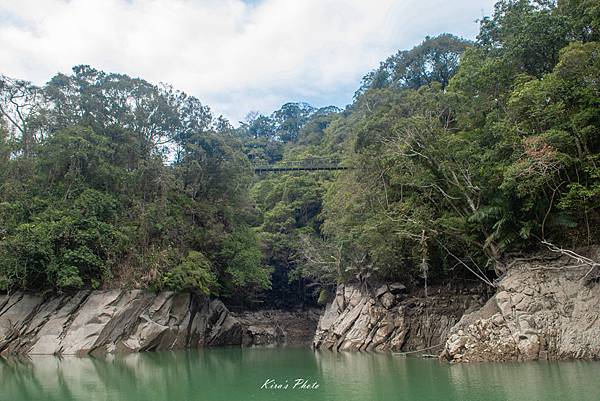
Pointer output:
x,y
543,309
388,318
112,321
546,307
134,321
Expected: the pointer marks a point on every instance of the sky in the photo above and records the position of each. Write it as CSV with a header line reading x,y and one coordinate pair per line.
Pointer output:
x,y
236,56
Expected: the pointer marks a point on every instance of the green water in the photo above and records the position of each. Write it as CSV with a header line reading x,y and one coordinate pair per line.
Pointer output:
x,y
232,374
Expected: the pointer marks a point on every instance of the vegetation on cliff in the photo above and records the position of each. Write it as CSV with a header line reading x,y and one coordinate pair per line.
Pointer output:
x,y
462,153
109,180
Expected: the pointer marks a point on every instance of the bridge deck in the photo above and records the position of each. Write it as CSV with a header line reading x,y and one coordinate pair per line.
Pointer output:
x,y
315,164
273,168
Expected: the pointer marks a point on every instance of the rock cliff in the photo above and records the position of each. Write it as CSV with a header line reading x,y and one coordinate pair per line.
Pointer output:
x,y
542,310
113,321
97,322
389,319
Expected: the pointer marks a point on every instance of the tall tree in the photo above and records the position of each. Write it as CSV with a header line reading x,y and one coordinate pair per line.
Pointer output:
x,y
22,104
436,59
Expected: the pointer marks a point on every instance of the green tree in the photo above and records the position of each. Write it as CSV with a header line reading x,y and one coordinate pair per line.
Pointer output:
x,y
434,60
583,17
194,273
528,33
559,118
243,260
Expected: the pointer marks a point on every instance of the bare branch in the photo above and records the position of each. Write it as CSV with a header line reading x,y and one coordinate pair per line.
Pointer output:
x,y
582,260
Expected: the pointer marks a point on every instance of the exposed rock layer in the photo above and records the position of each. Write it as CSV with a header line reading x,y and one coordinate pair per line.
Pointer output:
x,y
389,319
113,321
542,310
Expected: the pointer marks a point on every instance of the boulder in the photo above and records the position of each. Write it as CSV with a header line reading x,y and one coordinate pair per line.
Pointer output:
x,y
543,310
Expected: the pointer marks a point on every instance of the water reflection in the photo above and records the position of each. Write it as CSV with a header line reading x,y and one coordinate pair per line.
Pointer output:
x,y
231,374
532,380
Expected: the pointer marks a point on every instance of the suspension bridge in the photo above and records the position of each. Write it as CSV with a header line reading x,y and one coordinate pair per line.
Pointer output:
x,y
314,164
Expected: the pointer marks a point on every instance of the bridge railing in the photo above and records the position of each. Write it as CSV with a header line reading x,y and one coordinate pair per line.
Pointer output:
x,y
312,164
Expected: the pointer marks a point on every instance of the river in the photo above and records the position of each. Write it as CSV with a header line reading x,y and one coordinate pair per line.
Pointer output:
x,y
289,374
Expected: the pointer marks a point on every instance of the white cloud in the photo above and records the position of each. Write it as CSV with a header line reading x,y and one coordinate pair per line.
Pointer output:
x,y
235,56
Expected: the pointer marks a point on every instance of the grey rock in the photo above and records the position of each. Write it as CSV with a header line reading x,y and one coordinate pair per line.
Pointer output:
x,y
384,320
113,321
388,300
540,312
396,288
384,289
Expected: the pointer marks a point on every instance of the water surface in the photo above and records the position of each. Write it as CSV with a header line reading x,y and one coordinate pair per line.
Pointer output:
x,y
232,374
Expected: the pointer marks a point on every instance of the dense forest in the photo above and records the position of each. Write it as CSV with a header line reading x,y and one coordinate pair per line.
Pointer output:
x,y
460,155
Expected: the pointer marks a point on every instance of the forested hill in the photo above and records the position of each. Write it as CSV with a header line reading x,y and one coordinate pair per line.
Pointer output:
x,y
463,153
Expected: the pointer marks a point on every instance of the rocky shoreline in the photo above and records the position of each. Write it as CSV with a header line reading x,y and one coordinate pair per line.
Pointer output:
x,y
93,322
388,318
546,307
543,309
116,321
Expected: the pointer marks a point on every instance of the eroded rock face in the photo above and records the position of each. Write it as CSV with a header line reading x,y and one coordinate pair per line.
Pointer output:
x,y
388,319
542,310
113,321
